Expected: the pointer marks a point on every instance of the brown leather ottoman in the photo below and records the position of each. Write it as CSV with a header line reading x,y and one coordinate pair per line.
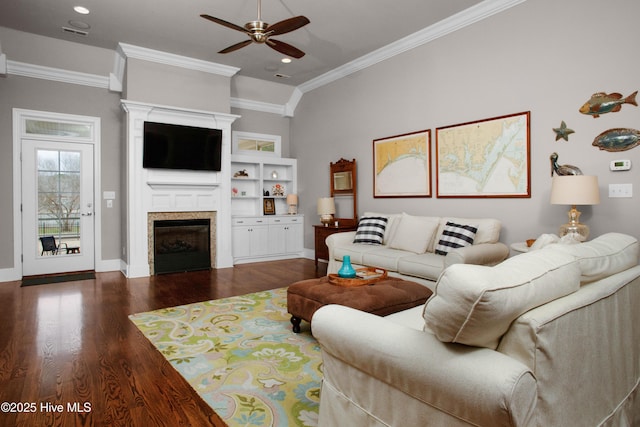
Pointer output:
x,y
381,298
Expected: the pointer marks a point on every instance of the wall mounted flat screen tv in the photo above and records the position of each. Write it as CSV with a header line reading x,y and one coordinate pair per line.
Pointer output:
x,y
168,146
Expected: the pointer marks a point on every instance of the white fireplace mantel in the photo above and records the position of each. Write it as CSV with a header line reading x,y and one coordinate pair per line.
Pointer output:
x,y
153,190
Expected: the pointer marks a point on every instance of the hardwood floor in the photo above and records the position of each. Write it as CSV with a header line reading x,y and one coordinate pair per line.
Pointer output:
x,y
69,355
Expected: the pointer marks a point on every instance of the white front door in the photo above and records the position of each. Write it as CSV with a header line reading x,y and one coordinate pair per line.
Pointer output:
x,y
57,207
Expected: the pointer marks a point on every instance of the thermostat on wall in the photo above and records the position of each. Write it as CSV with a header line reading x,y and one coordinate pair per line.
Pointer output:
x,y
620,165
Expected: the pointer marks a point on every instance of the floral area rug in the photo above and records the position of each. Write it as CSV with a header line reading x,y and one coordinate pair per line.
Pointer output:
x,y
240,355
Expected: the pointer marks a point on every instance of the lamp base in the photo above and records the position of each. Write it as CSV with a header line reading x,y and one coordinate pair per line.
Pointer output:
x,y
293,210
576,230
326,219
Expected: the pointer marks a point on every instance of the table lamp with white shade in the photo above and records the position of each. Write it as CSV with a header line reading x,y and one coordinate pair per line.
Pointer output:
x,y
575,190
326,209
292,202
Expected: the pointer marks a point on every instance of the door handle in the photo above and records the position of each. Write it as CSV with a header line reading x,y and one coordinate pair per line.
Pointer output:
x,y
87,214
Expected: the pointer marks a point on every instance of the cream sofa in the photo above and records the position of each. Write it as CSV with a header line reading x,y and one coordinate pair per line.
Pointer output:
x,y
546,338
407,247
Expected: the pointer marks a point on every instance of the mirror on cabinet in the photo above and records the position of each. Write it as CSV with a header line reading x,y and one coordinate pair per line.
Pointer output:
x,y
344,191
343,181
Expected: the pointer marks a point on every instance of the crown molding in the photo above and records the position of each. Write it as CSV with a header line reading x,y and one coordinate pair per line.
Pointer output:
x,y
131,51
117,76
290,106
455,22
264,107
3,64
285,110
56,74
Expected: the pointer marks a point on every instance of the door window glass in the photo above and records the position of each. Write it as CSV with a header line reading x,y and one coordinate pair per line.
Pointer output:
x,y
58,201
64,129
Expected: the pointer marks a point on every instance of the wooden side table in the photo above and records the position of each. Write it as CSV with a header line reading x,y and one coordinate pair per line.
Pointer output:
x,y
322,232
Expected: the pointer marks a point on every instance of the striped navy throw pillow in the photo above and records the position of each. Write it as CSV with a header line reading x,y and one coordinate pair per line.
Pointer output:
x,y
455,236
371,230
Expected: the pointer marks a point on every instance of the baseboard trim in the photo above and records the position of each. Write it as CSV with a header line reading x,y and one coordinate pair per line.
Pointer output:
x,y
13,274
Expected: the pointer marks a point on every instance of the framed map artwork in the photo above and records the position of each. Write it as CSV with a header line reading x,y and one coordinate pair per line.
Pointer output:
x,y
402,165
486,158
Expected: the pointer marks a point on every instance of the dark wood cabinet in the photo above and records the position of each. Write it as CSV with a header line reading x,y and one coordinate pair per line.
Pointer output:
x,y
321,233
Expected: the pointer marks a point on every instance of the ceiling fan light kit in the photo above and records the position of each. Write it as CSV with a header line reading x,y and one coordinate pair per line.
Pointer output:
x,y
260,32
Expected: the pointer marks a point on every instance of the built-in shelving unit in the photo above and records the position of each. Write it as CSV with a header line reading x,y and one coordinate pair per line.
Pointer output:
x,y
253,178
258,236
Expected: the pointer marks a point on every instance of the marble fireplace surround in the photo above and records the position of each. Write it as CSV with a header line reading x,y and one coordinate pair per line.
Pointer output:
x,y
153,193
168,216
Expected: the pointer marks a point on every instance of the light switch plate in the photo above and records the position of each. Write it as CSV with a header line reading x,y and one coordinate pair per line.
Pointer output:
x,y
620,190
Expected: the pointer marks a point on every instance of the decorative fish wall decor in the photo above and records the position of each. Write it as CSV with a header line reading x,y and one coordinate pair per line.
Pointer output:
x,y
619,139
602,103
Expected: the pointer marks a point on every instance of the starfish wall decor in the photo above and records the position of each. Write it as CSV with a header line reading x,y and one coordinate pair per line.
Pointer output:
x,y
563,131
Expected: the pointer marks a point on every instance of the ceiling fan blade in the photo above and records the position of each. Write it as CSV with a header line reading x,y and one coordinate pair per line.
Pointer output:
x,y
236,46
285,48
287,25
224,23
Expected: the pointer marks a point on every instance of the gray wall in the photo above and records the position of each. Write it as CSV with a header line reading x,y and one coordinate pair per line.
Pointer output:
x,y
161,84
36,94
267,123
543,56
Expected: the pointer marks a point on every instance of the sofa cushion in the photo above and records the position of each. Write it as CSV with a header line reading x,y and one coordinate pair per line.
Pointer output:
x,y
455,236
371,230
603,256
427,266
354,250
384,257
475,304
414,233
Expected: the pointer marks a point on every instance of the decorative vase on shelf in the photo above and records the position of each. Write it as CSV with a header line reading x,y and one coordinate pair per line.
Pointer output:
x,y
347,271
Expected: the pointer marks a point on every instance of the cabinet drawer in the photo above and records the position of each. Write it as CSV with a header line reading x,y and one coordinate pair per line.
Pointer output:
x,y
284,220
249,221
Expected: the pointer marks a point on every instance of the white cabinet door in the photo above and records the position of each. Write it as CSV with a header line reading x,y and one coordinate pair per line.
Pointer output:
x,y
277,238
285,234
294,238
241,242
250,237
260,240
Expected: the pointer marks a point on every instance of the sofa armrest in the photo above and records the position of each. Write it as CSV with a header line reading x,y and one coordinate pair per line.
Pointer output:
x,y
338,239
478,385
332,242
480,254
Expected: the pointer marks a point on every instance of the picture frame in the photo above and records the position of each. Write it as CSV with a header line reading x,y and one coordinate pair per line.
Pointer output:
x,y
489,158
256,144
268,206
402,165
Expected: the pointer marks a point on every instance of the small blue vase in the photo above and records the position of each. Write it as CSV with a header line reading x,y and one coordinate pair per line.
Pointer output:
x,y
347,271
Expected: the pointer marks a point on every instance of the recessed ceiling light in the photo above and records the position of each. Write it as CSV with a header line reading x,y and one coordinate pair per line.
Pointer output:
x,y
285,60
81,10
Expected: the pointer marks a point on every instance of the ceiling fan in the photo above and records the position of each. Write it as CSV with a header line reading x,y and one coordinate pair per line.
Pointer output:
x,y
261,32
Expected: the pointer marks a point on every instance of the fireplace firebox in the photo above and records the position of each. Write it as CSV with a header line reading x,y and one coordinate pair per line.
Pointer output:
x,y
181,245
